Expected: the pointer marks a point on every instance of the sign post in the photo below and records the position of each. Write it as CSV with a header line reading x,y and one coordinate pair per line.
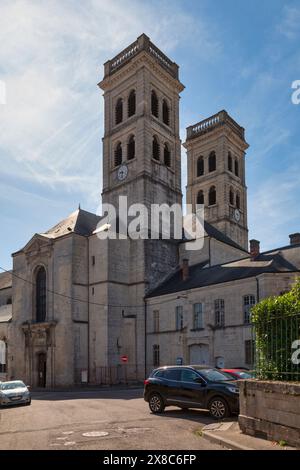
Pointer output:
x,y
124,360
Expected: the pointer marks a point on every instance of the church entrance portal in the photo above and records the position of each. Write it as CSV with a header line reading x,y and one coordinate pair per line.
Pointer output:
x,y
42,368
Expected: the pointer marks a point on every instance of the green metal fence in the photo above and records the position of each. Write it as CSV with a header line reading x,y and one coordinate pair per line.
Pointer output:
x,y
277,348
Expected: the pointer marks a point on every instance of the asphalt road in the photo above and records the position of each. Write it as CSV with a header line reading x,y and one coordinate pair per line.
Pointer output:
x,y
102,419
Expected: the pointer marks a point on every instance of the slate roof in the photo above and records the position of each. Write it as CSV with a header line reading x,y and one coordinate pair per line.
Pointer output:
x,y
201,276
80,222
5,313
5,280
215,233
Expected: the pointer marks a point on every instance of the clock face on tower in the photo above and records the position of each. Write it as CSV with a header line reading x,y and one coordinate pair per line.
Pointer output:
x,y
122,172
237,215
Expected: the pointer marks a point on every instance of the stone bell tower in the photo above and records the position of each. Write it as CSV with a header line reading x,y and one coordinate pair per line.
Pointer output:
x,y
216,174
142,161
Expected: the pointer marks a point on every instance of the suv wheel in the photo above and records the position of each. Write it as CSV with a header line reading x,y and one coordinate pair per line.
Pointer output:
x,y
156,403
218,408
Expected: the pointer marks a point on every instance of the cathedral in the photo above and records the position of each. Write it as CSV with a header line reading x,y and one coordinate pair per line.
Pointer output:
x,y
77,309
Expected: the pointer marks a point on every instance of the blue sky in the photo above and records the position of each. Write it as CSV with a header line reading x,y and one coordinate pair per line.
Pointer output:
x,y
233,54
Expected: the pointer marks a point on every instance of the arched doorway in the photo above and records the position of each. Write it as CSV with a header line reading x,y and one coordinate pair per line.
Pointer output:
x,y
199,354
42,369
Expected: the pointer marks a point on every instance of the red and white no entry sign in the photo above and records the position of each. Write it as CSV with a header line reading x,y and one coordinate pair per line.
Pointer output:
x,y
124,358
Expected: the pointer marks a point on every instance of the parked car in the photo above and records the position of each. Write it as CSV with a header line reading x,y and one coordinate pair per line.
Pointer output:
x,y
192,387
238,373
14,393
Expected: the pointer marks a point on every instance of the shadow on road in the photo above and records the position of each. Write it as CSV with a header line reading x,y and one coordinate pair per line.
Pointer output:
x,y
113,394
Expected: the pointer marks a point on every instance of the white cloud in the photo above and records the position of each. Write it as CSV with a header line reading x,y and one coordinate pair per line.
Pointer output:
x,y
290,23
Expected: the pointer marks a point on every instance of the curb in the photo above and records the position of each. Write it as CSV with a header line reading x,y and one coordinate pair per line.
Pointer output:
x,y
222,441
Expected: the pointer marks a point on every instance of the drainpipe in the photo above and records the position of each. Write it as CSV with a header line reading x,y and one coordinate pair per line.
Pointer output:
x,y
145,319
257,289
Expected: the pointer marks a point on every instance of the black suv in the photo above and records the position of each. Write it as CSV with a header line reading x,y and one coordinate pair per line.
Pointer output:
x,y
192,387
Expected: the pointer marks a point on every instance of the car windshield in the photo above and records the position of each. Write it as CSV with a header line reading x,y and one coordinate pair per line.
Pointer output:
x,y
213,375
11,385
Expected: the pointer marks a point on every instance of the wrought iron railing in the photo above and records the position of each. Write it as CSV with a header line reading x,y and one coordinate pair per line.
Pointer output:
x,y
277,348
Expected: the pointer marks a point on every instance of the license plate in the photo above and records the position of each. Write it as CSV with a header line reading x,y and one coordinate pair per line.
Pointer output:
x,y
15,398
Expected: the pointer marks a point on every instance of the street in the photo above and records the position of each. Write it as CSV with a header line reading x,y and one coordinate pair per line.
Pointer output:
x,y
102,419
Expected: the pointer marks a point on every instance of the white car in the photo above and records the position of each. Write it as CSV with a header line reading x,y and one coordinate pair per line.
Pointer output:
x,y
14,393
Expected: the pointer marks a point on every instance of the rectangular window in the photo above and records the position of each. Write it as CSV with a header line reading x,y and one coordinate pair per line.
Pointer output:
x,y
179,317
93,260
155,321
219,312
198,317
156,359
249,301
249,352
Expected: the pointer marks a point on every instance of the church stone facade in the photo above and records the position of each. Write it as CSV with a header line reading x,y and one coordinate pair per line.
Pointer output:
x,y
73,305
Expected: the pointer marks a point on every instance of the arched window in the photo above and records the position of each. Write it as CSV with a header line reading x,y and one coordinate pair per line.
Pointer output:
x,y
229,161
212,196
200,197
118,154
131,103
154,104
236,167
41,295
155,148
238,201
2,357
167,155
131,148
119,111
9,301
166,113
212,161
231,197
200,166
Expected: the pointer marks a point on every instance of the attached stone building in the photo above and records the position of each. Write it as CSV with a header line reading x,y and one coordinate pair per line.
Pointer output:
x,y
80,304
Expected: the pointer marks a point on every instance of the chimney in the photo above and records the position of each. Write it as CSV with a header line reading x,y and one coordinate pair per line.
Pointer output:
x,y
254,249
294,238
185,269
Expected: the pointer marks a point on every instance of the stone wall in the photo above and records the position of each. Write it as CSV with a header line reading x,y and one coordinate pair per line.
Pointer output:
x,y
270,410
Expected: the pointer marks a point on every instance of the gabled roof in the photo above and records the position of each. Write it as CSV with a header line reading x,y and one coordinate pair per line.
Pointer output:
x,y
5,280
80,222
201,276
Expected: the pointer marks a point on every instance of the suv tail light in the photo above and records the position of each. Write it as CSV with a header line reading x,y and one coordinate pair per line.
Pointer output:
x,y
146,382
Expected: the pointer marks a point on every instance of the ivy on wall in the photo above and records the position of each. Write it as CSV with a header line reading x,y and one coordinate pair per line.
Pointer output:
x,y
276,323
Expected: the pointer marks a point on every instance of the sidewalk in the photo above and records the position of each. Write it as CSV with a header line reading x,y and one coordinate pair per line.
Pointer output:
x,y
229,435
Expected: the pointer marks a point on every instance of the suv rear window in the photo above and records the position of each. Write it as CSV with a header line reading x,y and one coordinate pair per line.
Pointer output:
x,y
172,374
